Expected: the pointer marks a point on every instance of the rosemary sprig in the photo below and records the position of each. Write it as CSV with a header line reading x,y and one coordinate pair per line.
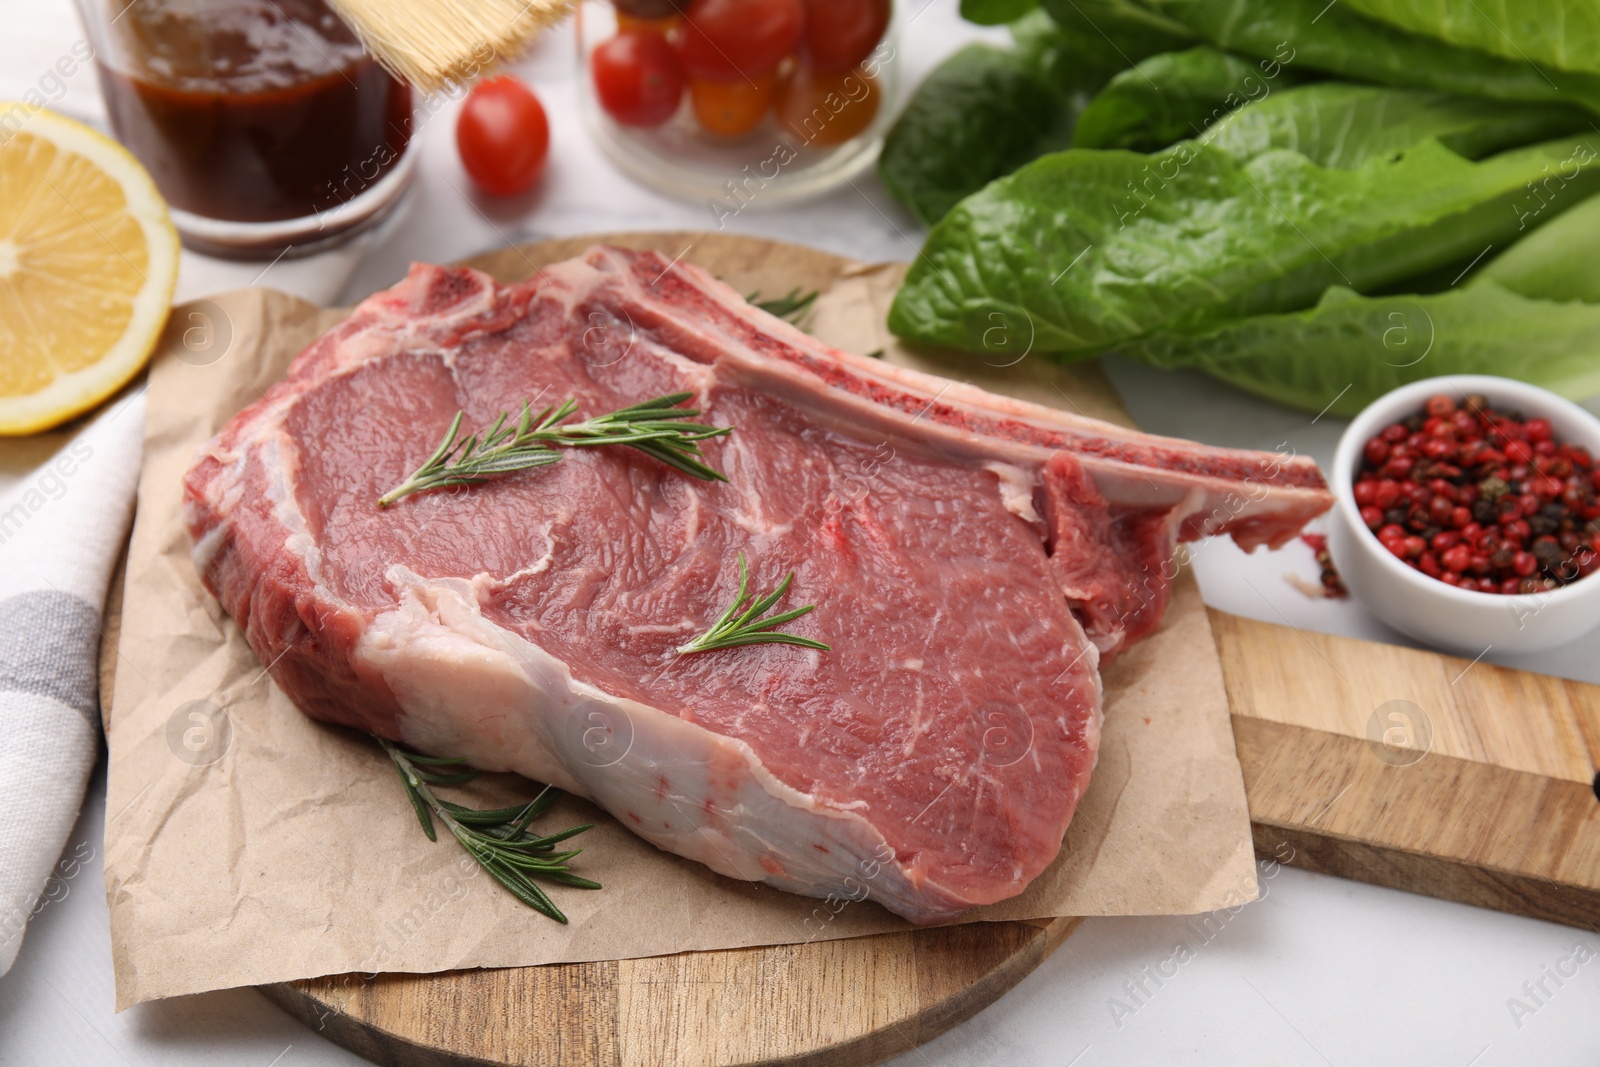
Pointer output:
x,y
792,306
736,628
658,428
497,838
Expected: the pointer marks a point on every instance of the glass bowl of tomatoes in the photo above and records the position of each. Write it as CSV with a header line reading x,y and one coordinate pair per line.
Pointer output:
x,y
738,101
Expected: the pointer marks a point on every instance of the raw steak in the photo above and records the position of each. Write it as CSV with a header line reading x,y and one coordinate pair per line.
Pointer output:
x,y
971,558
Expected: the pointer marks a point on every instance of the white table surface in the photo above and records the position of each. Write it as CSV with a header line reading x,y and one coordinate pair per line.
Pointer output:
x,y
1320,971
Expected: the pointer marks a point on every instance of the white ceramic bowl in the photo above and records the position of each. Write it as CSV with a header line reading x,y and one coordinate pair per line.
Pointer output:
x,y
1465,623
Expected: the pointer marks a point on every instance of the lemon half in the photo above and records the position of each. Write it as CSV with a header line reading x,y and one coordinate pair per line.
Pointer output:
x,y
88,262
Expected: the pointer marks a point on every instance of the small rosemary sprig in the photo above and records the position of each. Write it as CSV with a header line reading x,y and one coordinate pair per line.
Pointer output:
x,y
656,427
791,307
736,628
497,838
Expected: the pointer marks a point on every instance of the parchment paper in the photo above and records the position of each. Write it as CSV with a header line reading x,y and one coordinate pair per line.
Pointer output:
x,y
247,844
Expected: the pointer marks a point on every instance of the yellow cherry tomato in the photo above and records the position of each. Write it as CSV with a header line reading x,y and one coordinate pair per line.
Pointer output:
x,y
625,23
730,108
824,107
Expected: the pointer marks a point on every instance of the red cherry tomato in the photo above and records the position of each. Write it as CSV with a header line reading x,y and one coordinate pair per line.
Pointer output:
x,y
637,78
503,136
731,40
841,33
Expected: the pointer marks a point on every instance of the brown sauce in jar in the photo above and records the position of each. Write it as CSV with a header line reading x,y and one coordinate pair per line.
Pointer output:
x,y
253,110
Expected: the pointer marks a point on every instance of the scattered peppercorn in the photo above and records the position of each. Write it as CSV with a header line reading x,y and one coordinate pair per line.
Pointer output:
x,y
1332,585
1480,499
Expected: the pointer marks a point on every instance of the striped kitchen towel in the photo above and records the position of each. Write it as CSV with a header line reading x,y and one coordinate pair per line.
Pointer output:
x,y
61,529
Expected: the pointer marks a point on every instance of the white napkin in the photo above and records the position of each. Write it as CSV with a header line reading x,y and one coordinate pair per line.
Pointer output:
x,y
61,529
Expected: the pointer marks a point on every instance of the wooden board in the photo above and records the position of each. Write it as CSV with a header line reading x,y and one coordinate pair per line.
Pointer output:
x,y
1486,791
849,1002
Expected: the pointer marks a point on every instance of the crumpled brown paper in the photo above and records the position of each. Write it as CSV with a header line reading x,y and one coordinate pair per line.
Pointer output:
x,y
247,844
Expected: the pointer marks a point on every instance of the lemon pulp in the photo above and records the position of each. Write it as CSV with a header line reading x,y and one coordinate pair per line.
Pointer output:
x,y
88,261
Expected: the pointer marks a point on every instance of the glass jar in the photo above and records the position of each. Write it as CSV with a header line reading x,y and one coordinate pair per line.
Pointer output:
x,y
738,101
264,123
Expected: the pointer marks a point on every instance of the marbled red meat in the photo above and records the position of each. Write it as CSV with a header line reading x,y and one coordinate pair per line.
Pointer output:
x,y
971,558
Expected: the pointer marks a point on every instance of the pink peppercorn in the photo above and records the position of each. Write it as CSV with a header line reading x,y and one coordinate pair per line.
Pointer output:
x,y
1482,499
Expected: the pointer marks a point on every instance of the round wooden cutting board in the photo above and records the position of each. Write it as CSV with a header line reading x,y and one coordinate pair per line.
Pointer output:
x,y
850,1002
854,1001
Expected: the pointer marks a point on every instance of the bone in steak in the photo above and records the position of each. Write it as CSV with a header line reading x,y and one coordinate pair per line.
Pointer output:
x,y
972,560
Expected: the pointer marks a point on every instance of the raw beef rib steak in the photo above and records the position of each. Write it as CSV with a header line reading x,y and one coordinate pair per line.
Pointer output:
x,y
971,559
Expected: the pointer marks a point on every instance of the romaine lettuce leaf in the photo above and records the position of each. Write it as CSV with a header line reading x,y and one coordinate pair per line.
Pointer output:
x,y
1335,38
1532,312
1086,250
995,12
1350,349
986,111
1127,27
1175,96
1555,262
1561,33
1339,125
1073,60
980,114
